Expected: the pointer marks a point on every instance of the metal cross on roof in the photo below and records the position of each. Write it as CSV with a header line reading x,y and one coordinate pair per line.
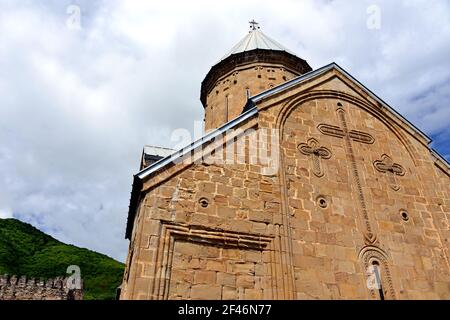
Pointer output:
x,y
254,25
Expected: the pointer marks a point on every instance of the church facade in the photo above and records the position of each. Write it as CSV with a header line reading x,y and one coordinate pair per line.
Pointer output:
x,y
306,185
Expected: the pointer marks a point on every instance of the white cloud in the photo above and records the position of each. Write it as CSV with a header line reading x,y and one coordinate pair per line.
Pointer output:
x,y
77,106
5,213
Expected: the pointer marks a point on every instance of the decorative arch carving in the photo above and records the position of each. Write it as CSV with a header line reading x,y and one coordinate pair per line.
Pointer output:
x,y
375,111
370,237
367,256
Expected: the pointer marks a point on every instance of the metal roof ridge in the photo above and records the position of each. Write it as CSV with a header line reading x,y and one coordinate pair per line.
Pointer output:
x,y
323,69
256,39
205,138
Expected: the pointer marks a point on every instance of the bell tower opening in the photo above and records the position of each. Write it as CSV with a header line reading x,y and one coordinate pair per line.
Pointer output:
x,y
254,64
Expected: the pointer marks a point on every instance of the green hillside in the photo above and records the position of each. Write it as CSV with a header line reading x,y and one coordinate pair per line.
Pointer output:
x,y
24,250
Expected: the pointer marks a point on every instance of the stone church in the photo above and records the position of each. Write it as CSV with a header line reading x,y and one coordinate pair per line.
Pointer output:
x,y
305,185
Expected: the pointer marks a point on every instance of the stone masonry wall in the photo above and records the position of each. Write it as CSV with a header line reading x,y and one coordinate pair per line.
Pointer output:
x,y
14,288
353,190
234,89
359,191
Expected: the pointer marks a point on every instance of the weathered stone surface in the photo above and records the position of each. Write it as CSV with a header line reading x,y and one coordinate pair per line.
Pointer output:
x,y
312,228
13,288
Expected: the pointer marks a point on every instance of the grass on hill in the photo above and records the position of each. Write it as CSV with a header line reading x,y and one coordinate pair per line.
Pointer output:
x,y
24,250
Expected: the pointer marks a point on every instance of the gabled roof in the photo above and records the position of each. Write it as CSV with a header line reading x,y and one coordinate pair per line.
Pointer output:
x,y
194,145
157,151
152,154
144,173
307,76
251,110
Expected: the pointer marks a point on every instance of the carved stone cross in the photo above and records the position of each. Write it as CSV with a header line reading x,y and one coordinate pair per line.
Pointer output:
x,y
354,135
312,148
349,136
386,165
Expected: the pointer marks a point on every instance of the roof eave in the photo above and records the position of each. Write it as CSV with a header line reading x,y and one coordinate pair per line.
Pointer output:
x,y
250,110
233,61
278,89
138,178
132,208
253,101
194,145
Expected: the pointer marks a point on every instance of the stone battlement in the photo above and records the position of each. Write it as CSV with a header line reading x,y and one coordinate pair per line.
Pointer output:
x,y
23,288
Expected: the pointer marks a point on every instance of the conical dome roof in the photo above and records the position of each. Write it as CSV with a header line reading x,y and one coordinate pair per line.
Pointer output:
x,y
256,39
254,48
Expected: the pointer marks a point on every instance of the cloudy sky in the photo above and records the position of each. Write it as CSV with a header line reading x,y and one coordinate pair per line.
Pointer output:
x,y
80,95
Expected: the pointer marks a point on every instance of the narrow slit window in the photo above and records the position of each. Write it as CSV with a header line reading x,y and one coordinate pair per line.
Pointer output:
x,y
377,272
226,108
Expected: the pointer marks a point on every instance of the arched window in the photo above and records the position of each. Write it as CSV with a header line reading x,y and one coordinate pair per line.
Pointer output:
x,y
378,277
